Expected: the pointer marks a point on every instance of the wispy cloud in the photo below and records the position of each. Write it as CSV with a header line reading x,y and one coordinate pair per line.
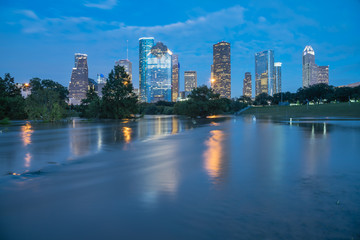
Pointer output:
x,y
106,5
27,13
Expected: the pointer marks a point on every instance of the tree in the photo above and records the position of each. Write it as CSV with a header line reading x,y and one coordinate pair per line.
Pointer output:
x,y
119,100
263,99
47,100
91,105
11,102
202,102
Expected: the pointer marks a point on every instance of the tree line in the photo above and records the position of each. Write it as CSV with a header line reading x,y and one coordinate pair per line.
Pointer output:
x,y
48,100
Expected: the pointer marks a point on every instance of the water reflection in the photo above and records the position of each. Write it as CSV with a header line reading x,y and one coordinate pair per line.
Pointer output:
x,y
27,160
26,132
127,134
214,156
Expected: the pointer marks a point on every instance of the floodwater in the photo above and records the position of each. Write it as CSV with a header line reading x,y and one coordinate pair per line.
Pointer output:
x,y
171,178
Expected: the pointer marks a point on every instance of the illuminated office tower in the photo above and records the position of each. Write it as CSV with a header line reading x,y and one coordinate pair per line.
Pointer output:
x,y
158,74
264,72
247,89
79,82
221,69
277,73
101,81
145,45
309,67
190,79
323,74
127,66
175,77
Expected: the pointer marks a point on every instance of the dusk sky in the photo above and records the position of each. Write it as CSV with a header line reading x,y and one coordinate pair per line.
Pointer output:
x,y
39,38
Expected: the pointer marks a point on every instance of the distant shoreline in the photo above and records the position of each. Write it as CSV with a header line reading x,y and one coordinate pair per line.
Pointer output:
x,y
351,110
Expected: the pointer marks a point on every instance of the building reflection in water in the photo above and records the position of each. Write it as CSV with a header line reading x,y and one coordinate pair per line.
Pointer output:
x,y
26,132
27,160
127,134
79,139
215,155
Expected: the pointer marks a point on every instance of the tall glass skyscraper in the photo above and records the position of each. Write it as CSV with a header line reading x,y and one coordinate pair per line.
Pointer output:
x,y
190,78
277,72
127,65
175,77
221,69
309,67
264,72
145,45
79,82
158,74
247,89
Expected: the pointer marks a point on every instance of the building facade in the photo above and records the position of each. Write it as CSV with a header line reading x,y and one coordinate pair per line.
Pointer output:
x,y
127,66
277,72
247,87
158,74
79,83
190,80
175,78
309,67
264,72
145,45
323,74
221,69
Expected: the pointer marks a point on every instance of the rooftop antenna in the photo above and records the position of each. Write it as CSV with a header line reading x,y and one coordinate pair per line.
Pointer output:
x,y
127,49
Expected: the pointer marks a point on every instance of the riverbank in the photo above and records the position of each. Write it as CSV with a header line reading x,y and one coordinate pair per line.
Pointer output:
x,y
323,110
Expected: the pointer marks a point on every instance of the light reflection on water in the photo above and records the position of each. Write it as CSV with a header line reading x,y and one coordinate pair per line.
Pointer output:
x,y
214,154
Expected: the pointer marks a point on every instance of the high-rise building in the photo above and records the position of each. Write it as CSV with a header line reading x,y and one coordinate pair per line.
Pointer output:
x,y
127,66
101,81
247,89
309,67
221,69
158,74
312,73
145,45
190,80
323,74
175,77
79,82
277,73
264,72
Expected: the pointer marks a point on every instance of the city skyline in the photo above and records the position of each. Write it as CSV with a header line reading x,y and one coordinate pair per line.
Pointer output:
x,y
38,34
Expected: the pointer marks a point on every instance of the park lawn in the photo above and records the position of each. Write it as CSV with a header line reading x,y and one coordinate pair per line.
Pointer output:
x,y
323,110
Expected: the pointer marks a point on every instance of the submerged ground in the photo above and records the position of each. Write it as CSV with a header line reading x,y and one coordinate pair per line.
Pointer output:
x,y
170,178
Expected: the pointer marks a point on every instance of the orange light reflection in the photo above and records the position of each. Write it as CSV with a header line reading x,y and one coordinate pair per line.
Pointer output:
x,y
26,133
127,134
213,154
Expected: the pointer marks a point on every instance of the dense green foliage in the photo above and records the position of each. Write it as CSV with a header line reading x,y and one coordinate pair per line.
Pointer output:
x,y
319,93
118,101
160,107
204,102
47,100
11,102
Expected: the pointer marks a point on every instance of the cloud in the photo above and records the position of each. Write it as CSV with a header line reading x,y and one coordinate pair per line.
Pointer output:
x,y
27,13
106,5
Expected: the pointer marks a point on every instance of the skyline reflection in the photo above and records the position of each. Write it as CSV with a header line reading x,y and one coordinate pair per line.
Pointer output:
x,y
214,155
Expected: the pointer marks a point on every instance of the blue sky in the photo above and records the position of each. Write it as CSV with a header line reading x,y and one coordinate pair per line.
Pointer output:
x,y
39,38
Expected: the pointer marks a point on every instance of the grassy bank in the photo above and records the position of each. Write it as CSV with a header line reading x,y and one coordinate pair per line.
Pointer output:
x,y
323,110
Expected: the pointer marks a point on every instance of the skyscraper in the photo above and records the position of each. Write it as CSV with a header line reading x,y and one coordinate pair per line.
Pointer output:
x,y
277,73
79,82
221,81
145,45
101,81
158,74
312,73
323,74
264,72
247,89
127,65
190,80
175,77
309,67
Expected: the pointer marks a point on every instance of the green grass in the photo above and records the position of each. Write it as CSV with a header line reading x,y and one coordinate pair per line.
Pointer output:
x,y
322,110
